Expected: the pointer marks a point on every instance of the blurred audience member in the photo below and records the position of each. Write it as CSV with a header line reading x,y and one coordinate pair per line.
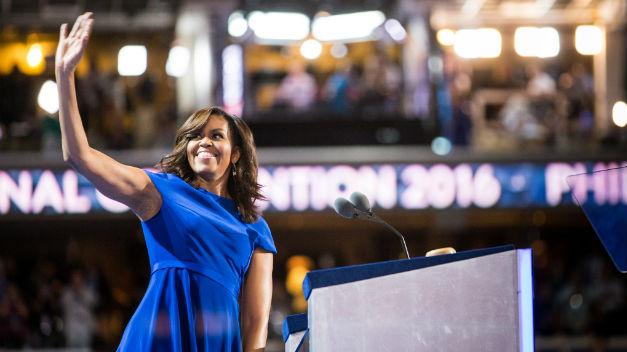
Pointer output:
x,y
540,84
298,89
78,301
578,87
339,91
381,84
92,92
13,318
518,119
461,89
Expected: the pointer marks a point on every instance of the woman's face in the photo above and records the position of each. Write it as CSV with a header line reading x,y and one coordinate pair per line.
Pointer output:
x,y
210,151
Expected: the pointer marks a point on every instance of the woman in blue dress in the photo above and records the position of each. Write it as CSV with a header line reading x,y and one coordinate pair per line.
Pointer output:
x,y
208,247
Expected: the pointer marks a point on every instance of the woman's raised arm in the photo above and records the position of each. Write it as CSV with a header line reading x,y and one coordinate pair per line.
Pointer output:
x,y
126,184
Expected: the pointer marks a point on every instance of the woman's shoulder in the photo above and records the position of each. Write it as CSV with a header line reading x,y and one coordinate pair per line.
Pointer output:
x,y
151,171
163,180
261,226
265,239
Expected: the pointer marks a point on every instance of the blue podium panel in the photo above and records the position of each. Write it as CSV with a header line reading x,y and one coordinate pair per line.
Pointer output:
x,y
470,301
606,211
295,332
335,276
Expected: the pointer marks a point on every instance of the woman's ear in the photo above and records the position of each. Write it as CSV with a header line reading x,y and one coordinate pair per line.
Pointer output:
x,y
235,155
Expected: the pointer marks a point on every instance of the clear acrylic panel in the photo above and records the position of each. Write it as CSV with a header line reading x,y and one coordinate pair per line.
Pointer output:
x,y
606,211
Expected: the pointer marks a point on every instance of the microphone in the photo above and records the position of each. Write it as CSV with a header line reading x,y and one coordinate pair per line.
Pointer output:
x,y
360,201
344,208
359,208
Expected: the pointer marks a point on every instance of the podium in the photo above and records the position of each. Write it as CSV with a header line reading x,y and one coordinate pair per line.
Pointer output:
x,y
478,300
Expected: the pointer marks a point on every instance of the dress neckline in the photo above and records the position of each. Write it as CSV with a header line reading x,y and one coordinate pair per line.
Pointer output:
x,y
218,197
229,202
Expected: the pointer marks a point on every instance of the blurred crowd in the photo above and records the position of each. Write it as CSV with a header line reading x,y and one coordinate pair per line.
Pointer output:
x,y
509,105
54,302
517,106
577,293
368,89
117,113
69,301
66,301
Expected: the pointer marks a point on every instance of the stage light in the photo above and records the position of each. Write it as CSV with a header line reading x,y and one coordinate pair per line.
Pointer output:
x,y
297,268
48,97
395,29
478,43
619,114
338,50
441,146
446,37
539,42
351,26
178,61
237,24
311,49
589,40
272,25
35,56
132,60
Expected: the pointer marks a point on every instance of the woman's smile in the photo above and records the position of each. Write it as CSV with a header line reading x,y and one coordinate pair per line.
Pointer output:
x,y
206,154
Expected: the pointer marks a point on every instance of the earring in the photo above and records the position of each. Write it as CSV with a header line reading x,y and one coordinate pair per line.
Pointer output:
x,y
233,170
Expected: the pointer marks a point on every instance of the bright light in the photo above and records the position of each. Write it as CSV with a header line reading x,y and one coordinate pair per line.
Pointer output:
x,y
351,26
34,55
202,67
477,43
525,9
48,98
395,29
537,41
441,146
178,61
446,37
338,50
233,79
619,114
273,25
132,60
311,49
589,40
237,24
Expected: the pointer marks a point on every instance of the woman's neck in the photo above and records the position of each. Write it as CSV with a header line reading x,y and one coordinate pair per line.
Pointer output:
x,y
218,187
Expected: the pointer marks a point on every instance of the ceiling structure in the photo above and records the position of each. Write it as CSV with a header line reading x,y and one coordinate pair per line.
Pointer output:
x,y
472,13
129,15
120,15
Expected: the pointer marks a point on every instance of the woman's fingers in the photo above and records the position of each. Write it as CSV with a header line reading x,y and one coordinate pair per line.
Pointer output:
x,y
90,26
85,29
76,26
61,45
80,24
72,45
63,32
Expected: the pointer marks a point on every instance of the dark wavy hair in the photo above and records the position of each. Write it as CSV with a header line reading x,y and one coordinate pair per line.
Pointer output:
x,y
243,188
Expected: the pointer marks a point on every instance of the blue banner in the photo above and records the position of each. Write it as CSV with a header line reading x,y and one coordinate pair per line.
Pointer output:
x,y
388,186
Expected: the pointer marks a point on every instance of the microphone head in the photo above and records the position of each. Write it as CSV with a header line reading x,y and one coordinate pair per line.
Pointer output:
x,y
360,201
343,207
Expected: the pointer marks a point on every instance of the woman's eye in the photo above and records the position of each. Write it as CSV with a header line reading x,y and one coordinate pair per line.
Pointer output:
x,y
193,136
217,136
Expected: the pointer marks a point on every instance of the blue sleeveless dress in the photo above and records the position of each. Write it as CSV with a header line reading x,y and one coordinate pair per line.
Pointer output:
x,y
199,252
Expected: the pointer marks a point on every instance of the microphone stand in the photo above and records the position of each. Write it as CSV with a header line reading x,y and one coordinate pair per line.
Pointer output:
x,y
371,216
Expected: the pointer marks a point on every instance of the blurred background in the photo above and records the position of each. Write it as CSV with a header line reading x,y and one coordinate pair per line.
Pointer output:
x,y
460,119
